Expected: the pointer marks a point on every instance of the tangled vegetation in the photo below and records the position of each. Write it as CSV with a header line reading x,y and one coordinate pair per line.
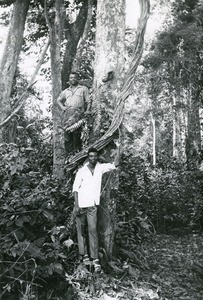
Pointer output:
x,y
38,241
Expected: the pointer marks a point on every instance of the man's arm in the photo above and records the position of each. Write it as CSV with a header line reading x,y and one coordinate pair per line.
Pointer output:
x,y
60,101
106,167
76,186
76,207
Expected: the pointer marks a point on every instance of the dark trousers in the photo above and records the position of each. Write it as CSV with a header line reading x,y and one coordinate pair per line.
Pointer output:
x,y
73,141
86,222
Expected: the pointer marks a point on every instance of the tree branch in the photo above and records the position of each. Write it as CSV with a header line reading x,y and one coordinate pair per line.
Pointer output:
x,y
25,95
73,32
84,37
47,17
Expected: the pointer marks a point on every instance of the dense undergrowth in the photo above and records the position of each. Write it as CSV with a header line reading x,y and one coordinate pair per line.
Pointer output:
x,y
38,250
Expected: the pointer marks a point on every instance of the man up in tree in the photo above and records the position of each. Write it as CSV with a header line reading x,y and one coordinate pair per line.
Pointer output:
x,y
75,103
86,191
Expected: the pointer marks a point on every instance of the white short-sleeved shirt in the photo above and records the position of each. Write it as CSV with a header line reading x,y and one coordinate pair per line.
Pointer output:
x,y
88,185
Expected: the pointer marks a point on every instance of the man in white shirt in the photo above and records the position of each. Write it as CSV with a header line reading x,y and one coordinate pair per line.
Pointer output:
x,y
86,191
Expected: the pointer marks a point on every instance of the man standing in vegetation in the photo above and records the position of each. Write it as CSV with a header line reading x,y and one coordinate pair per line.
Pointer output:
x,y
75,103
86,190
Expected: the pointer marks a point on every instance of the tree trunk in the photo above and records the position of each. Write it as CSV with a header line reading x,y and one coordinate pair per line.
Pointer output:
x,y
108,71
153,140
21,101
108,103
125,91
55,30
84,38
193,141
10,58
175,143
182,130
73,33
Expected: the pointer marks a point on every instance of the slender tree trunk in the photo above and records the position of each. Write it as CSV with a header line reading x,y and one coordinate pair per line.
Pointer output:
x,y
175,138
193,141
55,31
182,130
108,70
153,140
201,123
10,57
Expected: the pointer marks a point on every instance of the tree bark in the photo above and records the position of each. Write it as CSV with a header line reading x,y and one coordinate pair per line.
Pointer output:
x,y
55,31
108,75
10,58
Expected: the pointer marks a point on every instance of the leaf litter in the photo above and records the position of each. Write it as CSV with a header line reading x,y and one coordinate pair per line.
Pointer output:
x,y
170,274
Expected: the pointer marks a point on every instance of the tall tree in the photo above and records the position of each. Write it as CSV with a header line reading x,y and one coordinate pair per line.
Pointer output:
x,y
10,58
108,105
55,33
108,76
62,30
175,62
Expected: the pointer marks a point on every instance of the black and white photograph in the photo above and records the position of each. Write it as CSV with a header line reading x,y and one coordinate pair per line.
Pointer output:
x,y
101,149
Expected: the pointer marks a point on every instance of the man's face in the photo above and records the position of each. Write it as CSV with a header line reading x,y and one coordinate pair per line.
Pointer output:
x,y
73,79
93,157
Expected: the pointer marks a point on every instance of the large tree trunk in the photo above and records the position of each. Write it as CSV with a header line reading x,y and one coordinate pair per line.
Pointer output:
x,y
55,31
108,103
10,58
108,70
72,33
126,90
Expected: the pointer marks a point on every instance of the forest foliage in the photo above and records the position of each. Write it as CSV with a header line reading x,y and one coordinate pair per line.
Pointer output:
x,y
38,240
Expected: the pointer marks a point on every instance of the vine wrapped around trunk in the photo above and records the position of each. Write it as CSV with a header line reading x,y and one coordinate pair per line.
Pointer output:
x,y
125,91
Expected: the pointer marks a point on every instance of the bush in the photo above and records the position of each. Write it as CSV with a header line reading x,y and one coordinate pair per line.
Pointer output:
x,y
171,198
35,222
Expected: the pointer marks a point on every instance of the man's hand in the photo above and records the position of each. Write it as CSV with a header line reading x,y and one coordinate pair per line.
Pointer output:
x,y
76,207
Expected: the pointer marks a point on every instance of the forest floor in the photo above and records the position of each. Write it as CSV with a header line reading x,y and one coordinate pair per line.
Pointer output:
x,y
172,259
171,273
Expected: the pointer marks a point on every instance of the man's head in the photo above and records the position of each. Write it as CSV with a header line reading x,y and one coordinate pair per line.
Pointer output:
x,y
93,155
73,78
